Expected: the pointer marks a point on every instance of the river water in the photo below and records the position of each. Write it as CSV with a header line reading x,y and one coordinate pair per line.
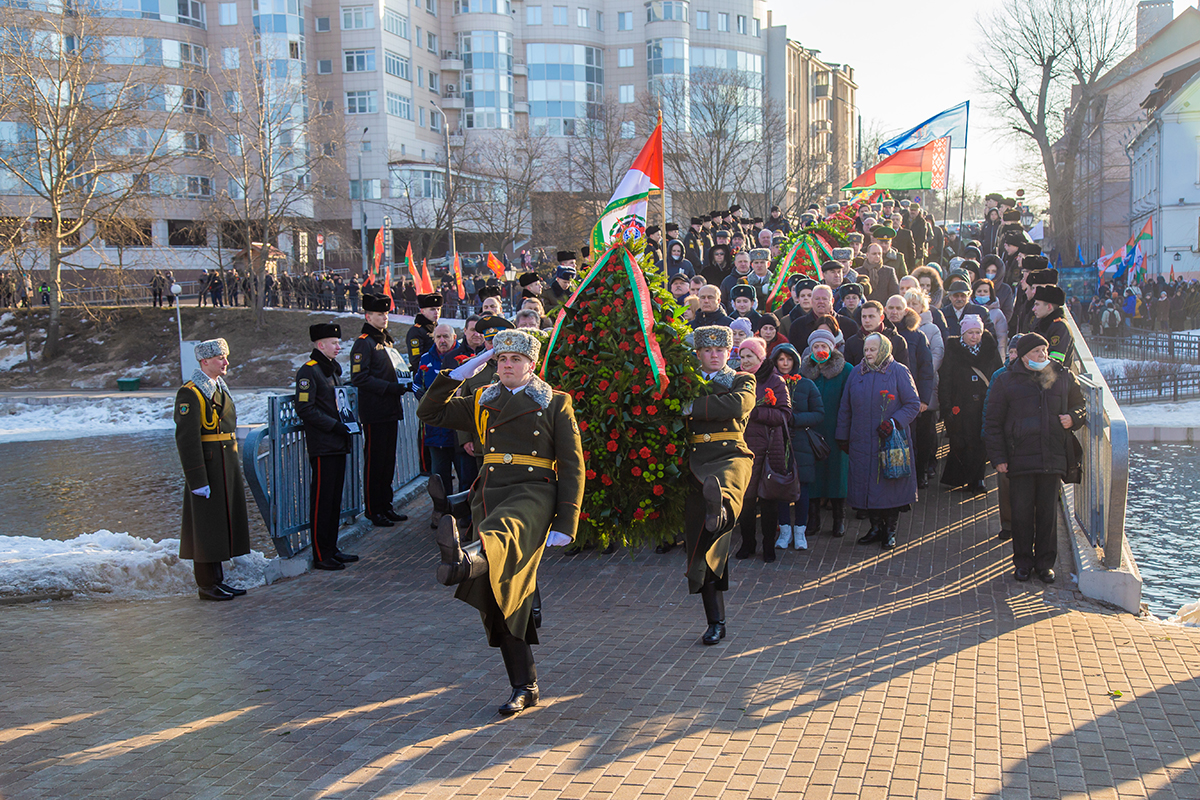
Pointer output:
x,y
126,483
1163,523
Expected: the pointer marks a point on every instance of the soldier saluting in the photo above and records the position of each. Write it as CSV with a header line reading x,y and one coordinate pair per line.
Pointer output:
x,y
327,439
377,371
215,527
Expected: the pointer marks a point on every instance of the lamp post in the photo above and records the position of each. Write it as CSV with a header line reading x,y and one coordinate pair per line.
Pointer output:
x,y
176,290
449,185
362,204
510,276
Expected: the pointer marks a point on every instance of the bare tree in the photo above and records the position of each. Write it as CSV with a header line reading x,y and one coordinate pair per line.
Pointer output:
x,y
506,173
418,202
1043,73
84,128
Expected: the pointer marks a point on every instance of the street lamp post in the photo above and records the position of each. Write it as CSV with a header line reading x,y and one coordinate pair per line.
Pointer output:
x,y
362,204
449,184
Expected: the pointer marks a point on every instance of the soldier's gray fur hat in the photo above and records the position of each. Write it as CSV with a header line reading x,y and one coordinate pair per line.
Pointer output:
x,y
760,253
713,336
211,349
841,253
517,340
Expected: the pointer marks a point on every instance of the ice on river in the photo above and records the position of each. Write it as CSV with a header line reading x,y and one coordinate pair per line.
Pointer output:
x,y
107,415
108,565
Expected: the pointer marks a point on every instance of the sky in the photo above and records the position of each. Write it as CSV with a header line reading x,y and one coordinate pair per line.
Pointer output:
x,y
910,62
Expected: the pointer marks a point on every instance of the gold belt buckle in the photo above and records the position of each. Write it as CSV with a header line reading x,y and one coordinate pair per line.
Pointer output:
x,y
508,458
708,437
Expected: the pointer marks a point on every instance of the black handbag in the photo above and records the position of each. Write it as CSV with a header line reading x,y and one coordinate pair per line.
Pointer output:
x,y
783,486
818,445
1074,452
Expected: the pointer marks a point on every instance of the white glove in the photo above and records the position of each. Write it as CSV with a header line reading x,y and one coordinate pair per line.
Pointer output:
x,y
471,367
556,539
686,409
203,491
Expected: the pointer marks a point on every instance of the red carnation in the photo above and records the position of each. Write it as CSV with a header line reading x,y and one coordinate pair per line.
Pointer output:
x,y
583,426
891,396
623,346
633,455
591,474
607,481
658,489
955,410
636,472
670,449
639,514
662,429
653,515
602,385
769,396
612,412
424,368
637,411
652,410
612,446
612,398
645,452
614,433
579,395
883,392
652,461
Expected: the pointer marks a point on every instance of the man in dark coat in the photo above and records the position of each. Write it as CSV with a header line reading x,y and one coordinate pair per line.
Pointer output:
x,y
327,439
885,236
710,312
215,525
871,320
822,306
377,370
720,466
420,335
1048,301
528,495
883,279
959,305
1031,410
693,244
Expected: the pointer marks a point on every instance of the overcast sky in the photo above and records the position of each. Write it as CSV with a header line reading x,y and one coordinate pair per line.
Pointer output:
x,y
905,75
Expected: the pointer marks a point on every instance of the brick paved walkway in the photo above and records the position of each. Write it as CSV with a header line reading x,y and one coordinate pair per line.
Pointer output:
x,y
926,672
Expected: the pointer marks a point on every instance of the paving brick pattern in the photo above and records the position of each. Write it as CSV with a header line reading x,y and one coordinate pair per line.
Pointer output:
x,y
848,673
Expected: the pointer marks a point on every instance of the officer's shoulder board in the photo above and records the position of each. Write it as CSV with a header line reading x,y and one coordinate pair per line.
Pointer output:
x,y
310,363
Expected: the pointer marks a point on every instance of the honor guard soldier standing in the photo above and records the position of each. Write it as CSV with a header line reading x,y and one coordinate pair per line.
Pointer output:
x,y
720,466
375,370
215,527
327,439
420,335
527,496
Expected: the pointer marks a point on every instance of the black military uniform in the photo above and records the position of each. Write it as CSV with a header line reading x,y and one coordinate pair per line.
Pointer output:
x,y
327,440
375,369
693,244
527,280
420,335
1053,326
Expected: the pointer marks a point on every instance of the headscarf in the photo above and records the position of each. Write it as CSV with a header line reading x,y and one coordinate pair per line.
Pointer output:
x,y
882,358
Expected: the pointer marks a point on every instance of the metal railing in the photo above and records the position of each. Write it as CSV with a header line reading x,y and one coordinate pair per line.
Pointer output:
x,y
1146,346
1098,503
1156,388
275,462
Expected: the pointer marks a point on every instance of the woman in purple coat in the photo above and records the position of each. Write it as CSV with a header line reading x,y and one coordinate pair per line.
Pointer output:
x,y
880,396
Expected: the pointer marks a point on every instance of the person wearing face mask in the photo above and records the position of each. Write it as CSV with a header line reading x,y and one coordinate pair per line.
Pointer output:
x,y
677,261
1031,410
880,397
827,368
985,295
992,268
966,373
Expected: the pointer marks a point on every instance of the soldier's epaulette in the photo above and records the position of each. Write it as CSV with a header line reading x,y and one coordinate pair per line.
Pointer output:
x,y
310,363
364,336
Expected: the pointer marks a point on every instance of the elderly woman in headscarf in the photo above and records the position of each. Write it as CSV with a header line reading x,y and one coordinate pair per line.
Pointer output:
x,y
963,382
880,398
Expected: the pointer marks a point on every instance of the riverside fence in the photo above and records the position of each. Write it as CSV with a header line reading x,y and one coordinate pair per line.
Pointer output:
x,y
1179,348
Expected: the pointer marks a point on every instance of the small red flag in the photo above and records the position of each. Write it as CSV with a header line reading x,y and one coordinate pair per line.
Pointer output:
x,y
387,288
426,283
496,266
462,292
412,268
378,248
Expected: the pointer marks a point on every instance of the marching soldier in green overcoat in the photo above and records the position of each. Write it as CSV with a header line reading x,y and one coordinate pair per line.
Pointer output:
x,y
215,526
720,466
527,495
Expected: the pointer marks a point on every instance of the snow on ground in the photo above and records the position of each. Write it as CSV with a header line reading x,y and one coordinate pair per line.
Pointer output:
x,y
109,565
104,416
1163,415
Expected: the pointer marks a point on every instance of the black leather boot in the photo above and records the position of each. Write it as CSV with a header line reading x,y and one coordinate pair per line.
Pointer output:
x,y
839,518
876,533
813,526
714,612
523,697
891,521
458,562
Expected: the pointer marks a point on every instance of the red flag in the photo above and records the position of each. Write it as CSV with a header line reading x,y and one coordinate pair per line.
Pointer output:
x,y
462,292
387,288
369,280
495,265
378,248
426,283
412,268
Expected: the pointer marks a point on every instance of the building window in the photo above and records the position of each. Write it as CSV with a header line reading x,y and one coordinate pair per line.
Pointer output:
x,y
325,66
188,232
360,60
566,87
233,144
228,13
667,57
624,20
431,42
395,23
358,18
231,57
628,130
482,7
322,24
197,186
581,18
421,116
397,65
533,15
361,102
487,79
421,77
758,27
741,22
399,106
431,6
560,15
625,93
625,57
435,81
236,190
701,20
194,101
722,22
658,10
366,190
233,102
435,121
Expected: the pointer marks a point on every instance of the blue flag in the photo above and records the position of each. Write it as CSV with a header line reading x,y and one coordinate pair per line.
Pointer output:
x,y
952,122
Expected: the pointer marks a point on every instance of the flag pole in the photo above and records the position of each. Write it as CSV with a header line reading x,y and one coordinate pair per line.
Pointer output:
x,y
946,195
963,199
663,165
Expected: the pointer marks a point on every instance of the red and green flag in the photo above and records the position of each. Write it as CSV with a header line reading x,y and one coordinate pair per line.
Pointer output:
x,y
917,168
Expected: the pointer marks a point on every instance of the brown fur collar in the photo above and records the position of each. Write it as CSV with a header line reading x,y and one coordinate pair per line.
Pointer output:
x,y
830,369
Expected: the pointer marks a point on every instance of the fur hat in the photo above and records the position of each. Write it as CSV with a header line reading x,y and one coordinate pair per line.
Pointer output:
x,y
760,254
1012,215
971,322
565,271
1050,293
431,300
755,344
713,336
1029,249
854,237
529,278
488,291
1042,277
211,348
376,302
841,253
1030,341
565,255
324,330
1014,238
517,340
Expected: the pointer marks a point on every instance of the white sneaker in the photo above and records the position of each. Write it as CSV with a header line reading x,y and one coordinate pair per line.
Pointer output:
x,y
785,536
801,542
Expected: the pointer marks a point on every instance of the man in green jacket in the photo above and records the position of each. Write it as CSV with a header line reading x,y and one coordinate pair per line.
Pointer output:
x,y
215,526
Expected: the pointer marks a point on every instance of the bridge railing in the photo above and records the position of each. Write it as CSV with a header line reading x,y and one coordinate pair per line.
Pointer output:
x,y
275,462
1098,503
1147,346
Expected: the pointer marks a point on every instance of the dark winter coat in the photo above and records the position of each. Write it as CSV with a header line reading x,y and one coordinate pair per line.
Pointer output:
x,y
1021,427
1054,327
807,412
830,475
767,429
373,363
214,528
431,364
962,391
705,318
954,322
316,405
862,411
920,357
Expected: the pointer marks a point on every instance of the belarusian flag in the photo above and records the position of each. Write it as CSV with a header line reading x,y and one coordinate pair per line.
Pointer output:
x,y
918,168
626,211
